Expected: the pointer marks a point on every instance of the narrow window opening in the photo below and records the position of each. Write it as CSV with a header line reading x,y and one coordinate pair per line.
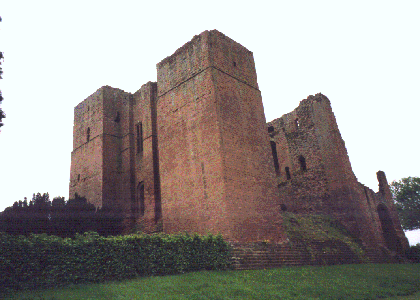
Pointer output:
x,y
88,108
139,138
275,158
283,207
270,129
138,207
302,162
287,173
367,197
234,64
117,118
297,123
88,134
78,177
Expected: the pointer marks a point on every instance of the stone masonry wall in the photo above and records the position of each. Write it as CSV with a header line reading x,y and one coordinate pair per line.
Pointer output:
x,y
213,145
145,159
116,135
86,171
320,180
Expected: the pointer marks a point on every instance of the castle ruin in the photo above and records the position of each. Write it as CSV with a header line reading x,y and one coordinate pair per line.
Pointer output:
x,y
193,152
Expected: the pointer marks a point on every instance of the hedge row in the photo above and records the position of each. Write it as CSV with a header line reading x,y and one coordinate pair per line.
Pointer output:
x,y
43,261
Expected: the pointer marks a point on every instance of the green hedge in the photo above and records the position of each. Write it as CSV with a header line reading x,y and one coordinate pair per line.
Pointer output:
x,y
41,261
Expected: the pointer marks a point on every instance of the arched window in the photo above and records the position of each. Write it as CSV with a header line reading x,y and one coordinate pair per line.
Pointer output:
x,y
287,173
117,117
283,207
270,129
302,162
88,134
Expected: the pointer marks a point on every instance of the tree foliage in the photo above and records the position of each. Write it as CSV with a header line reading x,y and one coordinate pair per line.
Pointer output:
x,y
406,193
59,217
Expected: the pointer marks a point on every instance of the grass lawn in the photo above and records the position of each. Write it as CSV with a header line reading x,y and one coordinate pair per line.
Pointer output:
x,y
364,281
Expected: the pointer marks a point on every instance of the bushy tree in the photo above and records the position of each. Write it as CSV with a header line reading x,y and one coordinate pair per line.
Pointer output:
x,y
59,217
406,193
77,216
24,218
108,220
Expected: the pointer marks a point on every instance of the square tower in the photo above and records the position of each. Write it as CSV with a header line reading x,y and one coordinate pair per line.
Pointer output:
x,y
100,132
216,171
114,160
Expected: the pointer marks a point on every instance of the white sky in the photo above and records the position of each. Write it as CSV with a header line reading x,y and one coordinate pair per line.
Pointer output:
x,y
363,55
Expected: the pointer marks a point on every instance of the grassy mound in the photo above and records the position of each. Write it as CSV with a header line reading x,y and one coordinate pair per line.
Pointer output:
x,y
324,238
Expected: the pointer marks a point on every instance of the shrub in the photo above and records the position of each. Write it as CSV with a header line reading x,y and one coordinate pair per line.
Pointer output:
x,y
44,261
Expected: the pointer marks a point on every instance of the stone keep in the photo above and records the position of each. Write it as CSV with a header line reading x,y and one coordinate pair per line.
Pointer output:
x,y
193,153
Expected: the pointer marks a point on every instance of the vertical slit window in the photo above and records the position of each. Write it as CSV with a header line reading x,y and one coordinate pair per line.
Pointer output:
x,y
367,197
88,134
302,162
275,158
287,173
139,138
297,123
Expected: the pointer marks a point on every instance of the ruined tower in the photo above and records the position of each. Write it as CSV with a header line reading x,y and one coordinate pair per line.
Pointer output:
x,y
314,175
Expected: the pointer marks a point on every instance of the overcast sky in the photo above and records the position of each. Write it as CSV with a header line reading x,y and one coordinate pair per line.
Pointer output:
x,y
363,55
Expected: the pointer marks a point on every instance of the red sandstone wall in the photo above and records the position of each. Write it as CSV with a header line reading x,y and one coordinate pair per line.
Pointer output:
x,y
384,196
86,158
144,170
251,195
347,200
213,143
109,166
115,162
190,159
295,135
328,185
